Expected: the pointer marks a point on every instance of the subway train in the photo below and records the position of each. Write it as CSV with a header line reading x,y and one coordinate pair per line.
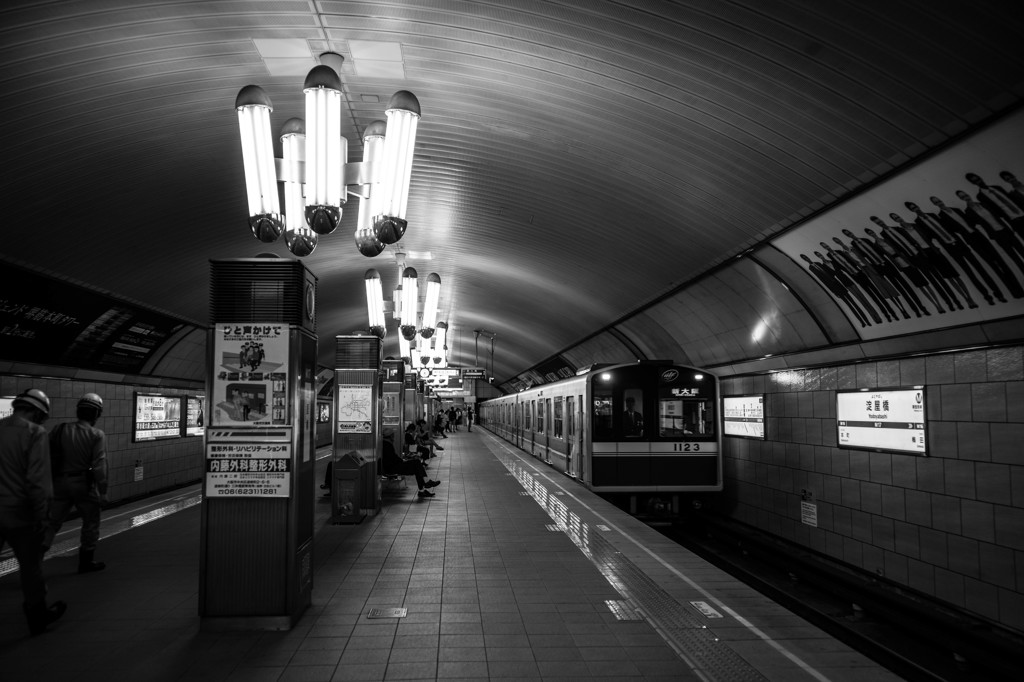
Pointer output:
x,y
645,435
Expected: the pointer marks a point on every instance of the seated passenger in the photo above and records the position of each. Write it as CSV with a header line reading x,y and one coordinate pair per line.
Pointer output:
x,y
412,443
424,438
393,464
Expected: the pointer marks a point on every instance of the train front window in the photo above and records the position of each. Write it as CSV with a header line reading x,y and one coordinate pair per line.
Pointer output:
x,y
633,413
601,409
685,416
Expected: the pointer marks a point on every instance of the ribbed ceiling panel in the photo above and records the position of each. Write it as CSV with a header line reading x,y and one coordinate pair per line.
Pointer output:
x,y
576,161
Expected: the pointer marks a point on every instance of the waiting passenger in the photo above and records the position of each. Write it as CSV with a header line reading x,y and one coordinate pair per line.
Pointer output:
x,y
393,464
424,438
413,444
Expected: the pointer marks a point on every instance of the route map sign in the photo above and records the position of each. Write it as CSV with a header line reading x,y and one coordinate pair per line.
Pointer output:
x,y
355,408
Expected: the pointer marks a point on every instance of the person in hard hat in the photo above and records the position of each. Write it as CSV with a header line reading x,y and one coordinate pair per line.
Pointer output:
x,y
25,494
78,458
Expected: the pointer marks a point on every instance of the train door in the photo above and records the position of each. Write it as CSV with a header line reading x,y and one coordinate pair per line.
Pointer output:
x,y
572,442
579,440
519,425
531,427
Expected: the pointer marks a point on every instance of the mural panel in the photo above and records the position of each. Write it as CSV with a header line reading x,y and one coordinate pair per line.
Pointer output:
x,y
939,245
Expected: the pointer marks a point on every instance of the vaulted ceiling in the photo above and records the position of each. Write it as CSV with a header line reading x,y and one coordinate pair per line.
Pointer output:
x,y
576,160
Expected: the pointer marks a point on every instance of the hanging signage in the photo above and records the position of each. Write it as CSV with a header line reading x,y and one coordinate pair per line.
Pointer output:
x,y
882,419
250,384
474,373
355,408
248,469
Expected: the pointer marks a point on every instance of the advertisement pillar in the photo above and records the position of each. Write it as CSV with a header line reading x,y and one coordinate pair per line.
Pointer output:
x,y
357,432
258,488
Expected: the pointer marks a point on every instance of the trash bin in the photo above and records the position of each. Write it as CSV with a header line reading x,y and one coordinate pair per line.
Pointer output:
x,y
345,498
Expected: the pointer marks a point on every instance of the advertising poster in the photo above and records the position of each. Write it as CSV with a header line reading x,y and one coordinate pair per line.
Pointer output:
x,y
157,416
195,416
248,469
939,245
6,406
355,408
251,381
882,419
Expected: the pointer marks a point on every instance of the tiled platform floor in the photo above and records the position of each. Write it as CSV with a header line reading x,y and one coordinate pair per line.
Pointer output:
x,y
504,575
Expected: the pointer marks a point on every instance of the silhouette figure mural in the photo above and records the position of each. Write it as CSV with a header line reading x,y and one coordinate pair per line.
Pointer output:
x,y
940,244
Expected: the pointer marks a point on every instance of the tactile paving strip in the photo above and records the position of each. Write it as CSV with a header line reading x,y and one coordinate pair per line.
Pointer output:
x,y
679,625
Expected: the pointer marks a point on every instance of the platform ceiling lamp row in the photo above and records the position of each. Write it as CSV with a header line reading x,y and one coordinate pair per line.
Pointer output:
x,y
316,175
406,300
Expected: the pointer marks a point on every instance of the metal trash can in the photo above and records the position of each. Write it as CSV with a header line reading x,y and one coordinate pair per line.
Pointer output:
x,y
345,497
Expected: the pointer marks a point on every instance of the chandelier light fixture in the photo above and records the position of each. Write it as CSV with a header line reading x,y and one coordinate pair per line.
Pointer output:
x,y
315,171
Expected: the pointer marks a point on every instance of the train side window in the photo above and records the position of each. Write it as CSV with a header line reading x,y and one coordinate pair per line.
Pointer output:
x,y
601,408
557,420
528,415
633,413
571,414
540,415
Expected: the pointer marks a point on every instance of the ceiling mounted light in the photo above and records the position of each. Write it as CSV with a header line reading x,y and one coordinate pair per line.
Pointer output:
x,y
319,177
375,303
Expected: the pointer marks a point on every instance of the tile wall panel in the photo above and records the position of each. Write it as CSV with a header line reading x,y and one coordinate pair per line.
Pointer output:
x,y
949,525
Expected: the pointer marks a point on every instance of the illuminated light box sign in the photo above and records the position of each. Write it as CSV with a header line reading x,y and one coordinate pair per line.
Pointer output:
x,y
743,416
6,406
890,419
195,415
156,417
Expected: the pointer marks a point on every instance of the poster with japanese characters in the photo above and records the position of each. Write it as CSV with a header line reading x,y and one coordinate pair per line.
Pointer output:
x,y
156,416
250,382
248,469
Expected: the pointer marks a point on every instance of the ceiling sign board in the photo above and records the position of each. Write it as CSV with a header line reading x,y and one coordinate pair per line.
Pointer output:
x,y
55,322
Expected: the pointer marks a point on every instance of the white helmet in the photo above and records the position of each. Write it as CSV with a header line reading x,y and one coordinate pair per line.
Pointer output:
x,y
91,400
33,397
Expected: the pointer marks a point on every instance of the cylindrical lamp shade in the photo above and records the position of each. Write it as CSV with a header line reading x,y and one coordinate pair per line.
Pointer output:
x,y
254,107
301,240
326,150
404,348
430,303
441,344
403,113
375,301
367,240
410,297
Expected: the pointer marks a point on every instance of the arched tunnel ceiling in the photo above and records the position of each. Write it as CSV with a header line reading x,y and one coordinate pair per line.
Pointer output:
x,y
575,161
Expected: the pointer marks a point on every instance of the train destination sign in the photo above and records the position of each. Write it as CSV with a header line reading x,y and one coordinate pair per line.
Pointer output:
x,y
890,420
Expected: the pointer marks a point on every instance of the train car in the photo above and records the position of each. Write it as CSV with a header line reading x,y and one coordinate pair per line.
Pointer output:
x,y
644,435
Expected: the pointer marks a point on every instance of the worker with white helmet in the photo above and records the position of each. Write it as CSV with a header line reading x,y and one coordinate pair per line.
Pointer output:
x,y
25,495
78,459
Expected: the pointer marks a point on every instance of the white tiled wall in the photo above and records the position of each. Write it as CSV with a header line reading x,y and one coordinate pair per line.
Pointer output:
x,y
949,525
